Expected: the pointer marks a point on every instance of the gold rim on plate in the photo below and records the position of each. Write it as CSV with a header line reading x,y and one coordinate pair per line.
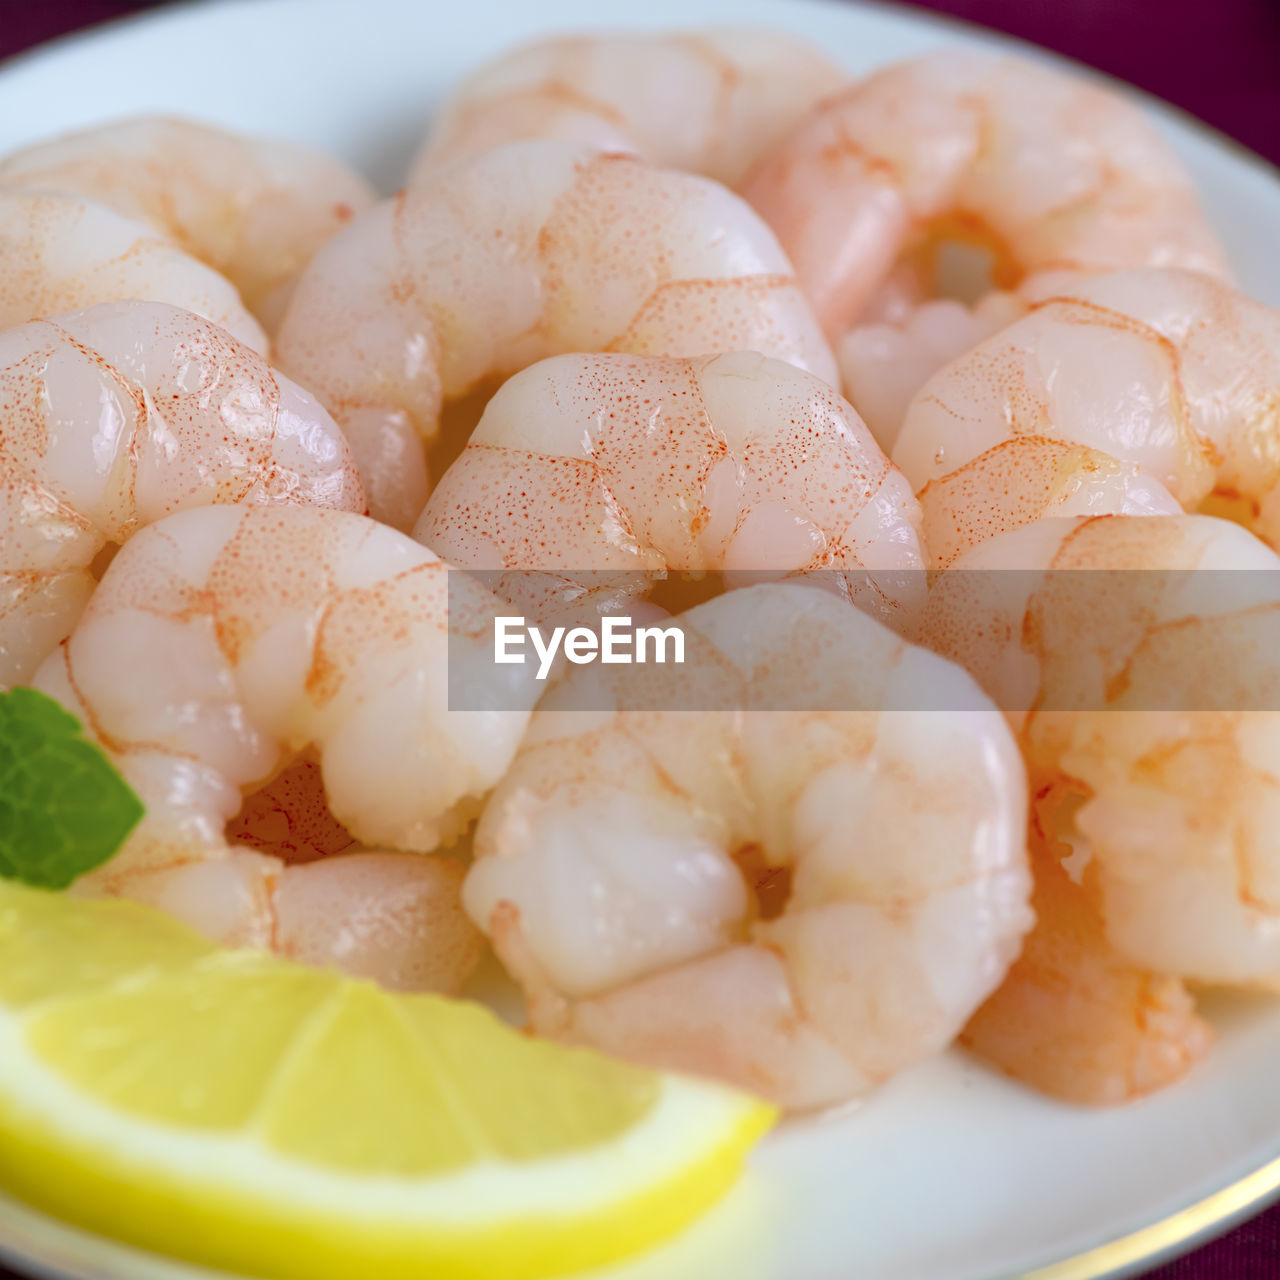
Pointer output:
x,y
1146,1247
1150,1245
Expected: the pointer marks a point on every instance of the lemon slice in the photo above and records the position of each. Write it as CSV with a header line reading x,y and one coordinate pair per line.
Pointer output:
x,y
238,1110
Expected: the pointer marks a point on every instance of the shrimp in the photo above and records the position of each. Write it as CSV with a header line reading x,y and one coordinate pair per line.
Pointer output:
x,y
228,646
789,888
253,209
1146,704
1146,391
1055,176
527,251
639,464
707,102
113,417
884,365
64,253
1076,1019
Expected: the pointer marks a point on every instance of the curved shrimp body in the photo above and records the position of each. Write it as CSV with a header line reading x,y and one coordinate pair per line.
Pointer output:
x,y
224,644
63,253
1054,174
1139,391
525,252
641,464
1141,734
1076,1019
883,365
253,209
114,417
801,902
708,102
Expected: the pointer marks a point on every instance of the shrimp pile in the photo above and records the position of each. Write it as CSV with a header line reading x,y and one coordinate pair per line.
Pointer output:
x,y
802,902
909,409
1053,175
520,253
63,253
708,101
254,209
1141,392
634,465
228,646
114,417
1047,176
884,364
1172,809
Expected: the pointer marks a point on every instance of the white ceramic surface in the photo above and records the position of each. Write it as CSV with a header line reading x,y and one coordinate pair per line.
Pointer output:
x,y
950,1173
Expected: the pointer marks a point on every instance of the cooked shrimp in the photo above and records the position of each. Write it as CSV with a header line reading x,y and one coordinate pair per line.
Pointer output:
x,y
254,209
113,417
801,901
641,464
883,365
226,643
524,252
1139,391
708,102
393,917
1051,173
1136,691
1074,1018
63,253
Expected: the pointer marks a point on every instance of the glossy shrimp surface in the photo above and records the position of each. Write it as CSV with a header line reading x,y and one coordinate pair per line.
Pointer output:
x,y
254,209
61,252
1077,1019
640,464
706,101
114,417
1138,392
1051,173
524,252
802,902
884,365
1145,700
227,646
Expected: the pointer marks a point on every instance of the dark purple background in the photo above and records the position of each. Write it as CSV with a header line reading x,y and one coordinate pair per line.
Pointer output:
x,y
1218,59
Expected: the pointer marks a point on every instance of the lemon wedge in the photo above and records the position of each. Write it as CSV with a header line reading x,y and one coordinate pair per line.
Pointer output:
x,y
245,1112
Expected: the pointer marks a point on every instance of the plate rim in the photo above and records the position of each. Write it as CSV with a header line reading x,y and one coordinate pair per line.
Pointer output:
x,y
1172,1236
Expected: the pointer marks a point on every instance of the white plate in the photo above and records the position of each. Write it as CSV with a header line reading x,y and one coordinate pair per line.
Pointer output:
x,y
950,1173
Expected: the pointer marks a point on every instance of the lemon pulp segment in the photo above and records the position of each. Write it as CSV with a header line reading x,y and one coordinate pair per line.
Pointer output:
x,y
246,1112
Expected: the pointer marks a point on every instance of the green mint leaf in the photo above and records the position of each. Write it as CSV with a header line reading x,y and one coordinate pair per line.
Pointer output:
x,y
63,807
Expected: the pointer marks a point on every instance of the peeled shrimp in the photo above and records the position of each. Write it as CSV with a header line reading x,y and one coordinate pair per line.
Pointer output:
x,y
1139,392
521,253
641,464
224,645
705,101
801,901
254,209
1055,175
1145,699
1074,1018
114,417
884,365
62,253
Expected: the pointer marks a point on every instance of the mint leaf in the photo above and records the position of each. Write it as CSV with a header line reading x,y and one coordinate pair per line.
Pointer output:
x,y
63,807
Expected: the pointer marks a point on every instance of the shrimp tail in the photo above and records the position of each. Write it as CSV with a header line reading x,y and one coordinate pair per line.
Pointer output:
x,y
1074,1018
